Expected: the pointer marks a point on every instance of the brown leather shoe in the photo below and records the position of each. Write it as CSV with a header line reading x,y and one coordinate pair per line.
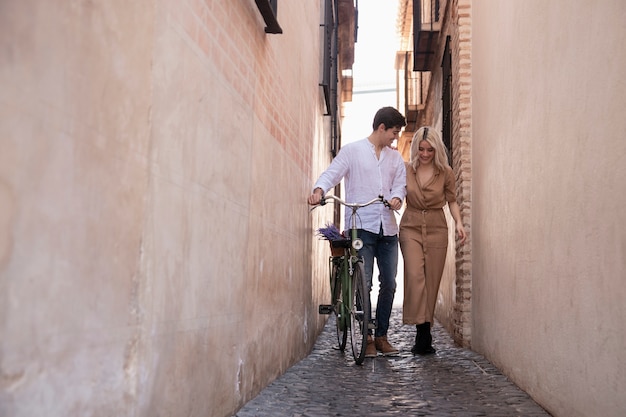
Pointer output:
x,y
370,349
384,347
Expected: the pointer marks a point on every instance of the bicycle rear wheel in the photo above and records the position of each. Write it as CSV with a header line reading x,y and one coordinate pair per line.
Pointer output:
x,y
341,319
359,313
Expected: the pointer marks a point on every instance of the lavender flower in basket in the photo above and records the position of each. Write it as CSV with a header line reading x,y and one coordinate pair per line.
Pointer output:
x,y
331,233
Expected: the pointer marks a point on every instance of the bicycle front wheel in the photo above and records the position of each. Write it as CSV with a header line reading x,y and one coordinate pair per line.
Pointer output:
x,y
359,313
341,311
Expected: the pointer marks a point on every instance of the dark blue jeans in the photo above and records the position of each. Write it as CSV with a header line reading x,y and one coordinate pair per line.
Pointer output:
x,y
385,250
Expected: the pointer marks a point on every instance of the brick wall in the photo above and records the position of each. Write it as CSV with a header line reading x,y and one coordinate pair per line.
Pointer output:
x,y
454,306
460,14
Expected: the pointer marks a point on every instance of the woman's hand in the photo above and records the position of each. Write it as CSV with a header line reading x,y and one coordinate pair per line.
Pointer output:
x,y
456,215
460,231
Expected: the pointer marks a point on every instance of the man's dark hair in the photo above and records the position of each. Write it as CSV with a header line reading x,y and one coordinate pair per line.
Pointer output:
x,y
390,117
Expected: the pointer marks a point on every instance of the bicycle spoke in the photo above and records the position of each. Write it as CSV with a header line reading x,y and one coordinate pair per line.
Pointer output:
x,y
340,310
359,314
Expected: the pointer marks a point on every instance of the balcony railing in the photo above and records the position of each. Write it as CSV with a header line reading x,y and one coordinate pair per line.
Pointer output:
x,y
412,88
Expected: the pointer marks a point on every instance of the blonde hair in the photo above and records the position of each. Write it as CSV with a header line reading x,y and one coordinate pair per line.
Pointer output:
x,y
431,136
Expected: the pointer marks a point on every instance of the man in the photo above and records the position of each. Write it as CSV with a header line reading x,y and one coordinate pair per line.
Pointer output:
x,y
372,168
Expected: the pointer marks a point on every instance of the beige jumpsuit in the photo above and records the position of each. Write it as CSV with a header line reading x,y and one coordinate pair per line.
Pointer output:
x,y
424,242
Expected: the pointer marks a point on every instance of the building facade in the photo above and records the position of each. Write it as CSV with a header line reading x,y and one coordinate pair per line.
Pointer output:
x,y
434,61
528,96
157,255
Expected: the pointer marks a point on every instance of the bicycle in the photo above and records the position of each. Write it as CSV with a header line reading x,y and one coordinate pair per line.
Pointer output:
x,y
350,300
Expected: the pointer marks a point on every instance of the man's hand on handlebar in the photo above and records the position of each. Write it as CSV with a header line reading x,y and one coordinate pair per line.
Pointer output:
x,y
316,197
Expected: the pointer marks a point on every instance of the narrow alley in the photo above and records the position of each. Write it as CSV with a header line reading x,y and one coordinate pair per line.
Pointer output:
x,y
452,382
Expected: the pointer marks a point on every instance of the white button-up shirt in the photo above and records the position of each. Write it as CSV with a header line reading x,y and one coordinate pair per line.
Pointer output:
x,y
367,177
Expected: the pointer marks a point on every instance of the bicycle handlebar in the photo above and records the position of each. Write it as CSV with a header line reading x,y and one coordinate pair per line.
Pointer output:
x,y
353,206
379,199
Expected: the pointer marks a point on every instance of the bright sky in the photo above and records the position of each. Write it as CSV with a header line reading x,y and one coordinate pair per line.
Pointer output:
x,y
373,69
377,43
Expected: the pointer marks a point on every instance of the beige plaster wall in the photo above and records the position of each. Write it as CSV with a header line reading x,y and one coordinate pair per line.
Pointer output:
x,y
548,218
156,251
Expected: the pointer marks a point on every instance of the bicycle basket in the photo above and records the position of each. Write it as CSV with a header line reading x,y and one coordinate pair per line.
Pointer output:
x,y
337,246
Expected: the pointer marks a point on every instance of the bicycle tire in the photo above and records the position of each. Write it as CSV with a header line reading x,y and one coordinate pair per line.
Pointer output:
x,y
359,313
341,320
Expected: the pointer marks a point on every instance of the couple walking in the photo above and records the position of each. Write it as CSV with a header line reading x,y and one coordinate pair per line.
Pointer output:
x,y
371,168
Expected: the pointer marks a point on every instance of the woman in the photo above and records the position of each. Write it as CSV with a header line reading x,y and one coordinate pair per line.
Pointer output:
x,y
424,231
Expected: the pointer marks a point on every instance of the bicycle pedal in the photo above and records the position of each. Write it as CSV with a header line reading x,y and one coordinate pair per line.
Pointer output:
x,y
325,309
372,324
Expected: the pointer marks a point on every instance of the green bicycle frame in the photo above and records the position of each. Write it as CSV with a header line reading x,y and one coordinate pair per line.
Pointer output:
x,y
347,262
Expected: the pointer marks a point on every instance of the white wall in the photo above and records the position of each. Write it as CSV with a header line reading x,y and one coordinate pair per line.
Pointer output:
x,y
548,218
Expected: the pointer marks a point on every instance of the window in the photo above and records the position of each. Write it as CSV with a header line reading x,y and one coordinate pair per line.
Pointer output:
x,y
426,27
329,69
327,66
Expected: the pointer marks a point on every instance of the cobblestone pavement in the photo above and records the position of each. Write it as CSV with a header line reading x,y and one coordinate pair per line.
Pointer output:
x,y
452,382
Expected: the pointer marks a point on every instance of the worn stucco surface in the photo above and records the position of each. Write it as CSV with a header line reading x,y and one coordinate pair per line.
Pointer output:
x,y
548,179
155,244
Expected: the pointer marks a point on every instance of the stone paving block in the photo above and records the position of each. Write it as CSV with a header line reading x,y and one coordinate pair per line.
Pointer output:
x,y
453,382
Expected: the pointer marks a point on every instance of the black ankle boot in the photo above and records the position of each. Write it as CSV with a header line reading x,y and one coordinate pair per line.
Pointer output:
x,y
415,347
423,340
417,339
